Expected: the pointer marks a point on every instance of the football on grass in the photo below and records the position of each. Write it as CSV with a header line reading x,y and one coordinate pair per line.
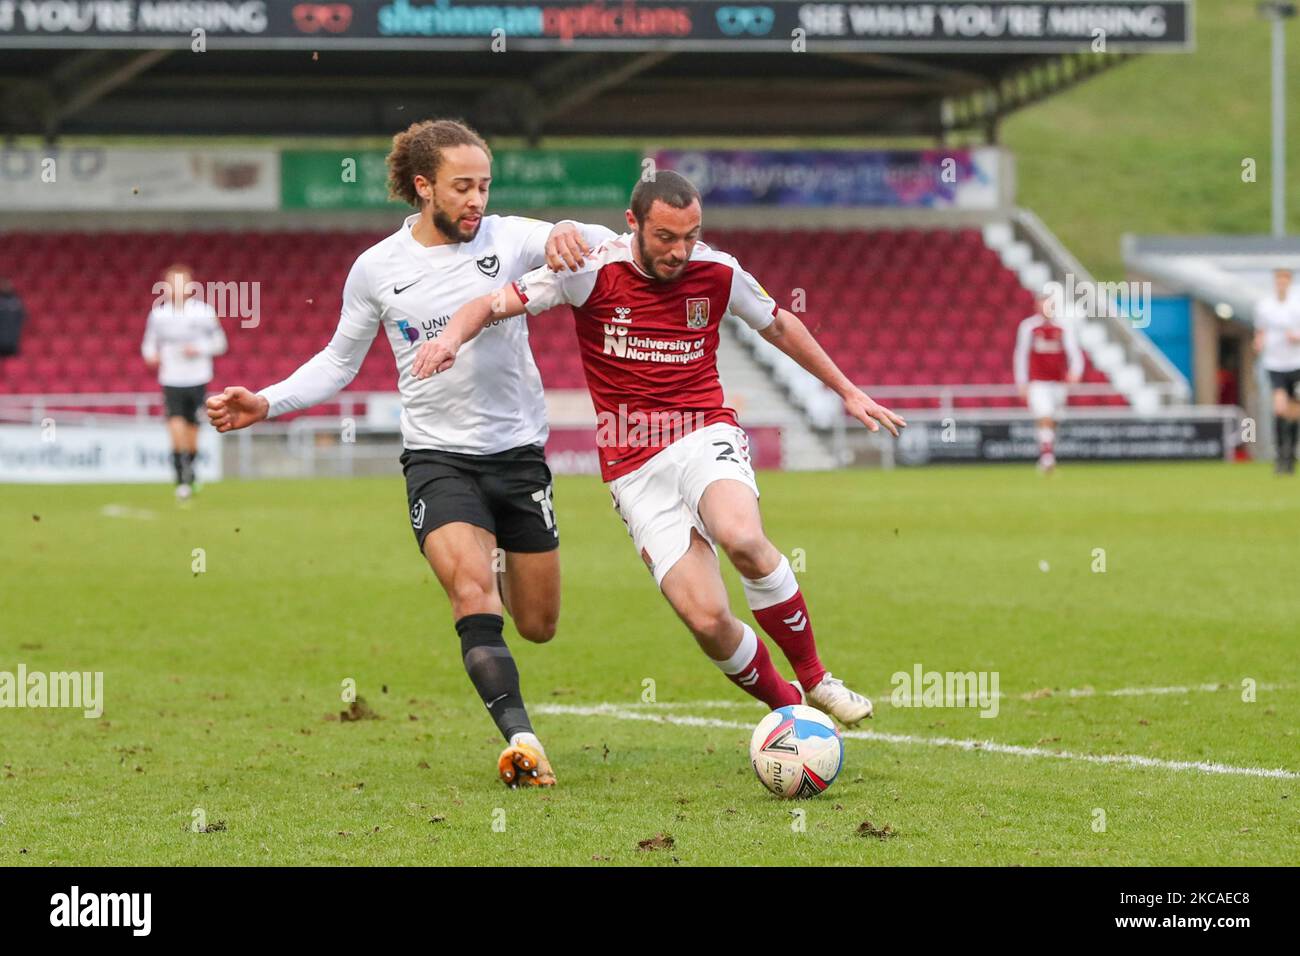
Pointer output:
x,y
796,751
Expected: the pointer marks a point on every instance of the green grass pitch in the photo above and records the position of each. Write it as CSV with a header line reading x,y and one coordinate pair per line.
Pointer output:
x,y
223,688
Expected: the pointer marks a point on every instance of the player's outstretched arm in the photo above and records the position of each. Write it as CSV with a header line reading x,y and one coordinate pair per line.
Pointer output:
x,y
438,355
792,337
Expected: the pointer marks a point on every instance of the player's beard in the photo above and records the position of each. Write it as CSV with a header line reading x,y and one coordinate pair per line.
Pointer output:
x,y
451,228
649,262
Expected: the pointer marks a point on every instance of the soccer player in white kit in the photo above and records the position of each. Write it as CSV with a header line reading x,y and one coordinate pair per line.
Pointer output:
x,y
181,336
1277,339
648,307
1047,360
475,469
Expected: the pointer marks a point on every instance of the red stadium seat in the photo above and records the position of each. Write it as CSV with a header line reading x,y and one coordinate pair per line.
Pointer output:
x,y
891,306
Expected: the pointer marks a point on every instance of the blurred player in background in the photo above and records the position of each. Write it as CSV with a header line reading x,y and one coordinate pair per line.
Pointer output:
x,y
1047,360
1277,339
476,475
648,308
182,335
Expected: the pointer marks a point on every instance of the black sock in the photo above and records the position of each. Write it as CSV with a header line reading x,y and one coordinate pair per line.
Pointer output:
x,y
187,467
1293,432
1285,438
493,671
178,465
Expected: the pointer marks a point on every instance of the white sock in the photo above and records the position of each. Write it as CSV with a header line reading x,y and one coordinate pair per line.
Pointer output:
x,y
529,740
743,655
772,589
1046,436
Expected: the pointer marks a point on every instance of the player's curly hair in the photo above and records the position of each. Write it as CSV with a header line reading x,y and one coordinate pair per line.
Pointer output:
x,y
417,151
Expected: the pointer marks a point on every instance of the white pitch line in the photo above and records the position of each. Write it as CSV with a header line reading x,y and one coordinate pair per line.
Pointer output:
x,y
1131,760
886,696
1144,691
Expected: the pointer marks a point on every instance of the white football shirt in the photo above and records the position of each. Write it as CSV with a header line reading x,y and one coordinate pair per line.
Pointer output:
x,y
1275,318
170,333
491,400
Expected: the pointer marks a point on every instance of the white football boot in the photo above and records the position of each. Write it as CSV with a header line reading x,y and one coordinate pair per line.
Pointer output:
x,y
830,696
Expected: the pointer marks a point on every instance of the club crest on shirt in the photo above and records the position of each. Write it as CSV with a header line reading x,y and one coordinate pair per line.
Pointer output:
x,y
697,313
489,266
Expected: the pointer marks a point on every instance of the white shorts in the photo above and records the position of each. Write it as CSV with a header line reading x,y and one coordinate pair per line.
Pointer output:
x,y
1047,399
660,501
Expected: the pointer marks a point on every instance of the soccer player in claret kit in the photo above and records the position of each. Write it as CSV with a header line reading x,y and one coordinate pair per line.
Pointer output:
x,y
476,475
648,306
1047,360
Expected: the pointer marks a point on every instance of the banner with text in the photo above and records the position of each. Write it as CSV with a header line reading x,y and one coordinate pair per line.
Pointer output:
x,y
900,26
65,454
934,179
521,179
1077,439
97,178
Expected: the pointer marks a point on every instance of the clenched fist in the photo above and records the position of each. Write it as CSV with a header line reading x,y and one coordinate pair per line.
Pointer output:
x,y
236,407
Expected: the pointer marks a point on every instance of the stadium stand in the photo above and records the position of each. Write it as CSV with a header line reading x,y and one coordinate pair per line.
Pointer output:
x,y
894,307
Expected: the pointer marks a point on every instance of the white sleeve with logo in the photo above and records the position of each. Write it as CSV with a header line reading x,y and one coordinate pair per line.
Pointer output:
x,y
331,370
543,289
749,301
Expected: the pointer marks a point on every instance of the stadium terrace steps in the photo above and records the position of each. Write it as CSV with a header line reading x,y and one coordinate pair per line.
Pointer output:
x,y
893,307
759,400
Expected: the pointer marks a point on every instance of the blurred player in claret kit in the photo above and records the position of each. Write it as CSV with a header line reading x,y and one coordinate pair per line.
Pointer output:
x,y
648,306
476,473
181,336
1047,360
1277,340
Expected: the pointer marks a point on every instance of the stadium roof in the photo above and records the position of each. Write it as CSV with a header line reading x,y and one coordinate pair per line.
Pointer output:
x,y
655,93
1229,273
703,68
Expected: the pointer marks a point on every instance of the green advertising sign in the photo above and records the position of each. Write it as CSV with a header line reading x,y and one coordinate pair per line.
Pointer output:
x,y
521,179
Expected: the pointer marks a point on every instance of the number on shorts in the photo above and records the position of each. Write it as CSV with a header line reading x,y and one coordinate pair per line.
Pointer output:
x,y
728,453
547,503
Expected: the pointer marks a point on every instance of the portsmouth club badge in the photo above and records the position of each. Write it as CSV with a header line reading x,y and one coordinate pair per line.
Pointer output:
x,y
697,313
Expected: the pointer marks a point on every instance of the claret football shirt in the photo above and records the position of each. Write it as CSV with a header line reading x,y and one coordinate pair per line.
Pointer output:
x,y
649,348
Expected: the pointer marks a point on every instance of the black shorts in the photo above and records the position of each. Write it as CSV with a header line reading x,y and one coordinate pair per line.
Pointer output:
x,y
508,494
1287,381
184,401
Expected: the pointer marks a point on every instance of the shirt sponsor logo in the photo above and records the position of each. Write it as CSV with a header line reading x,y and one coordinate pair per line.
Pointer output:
x,y
489,266
697,313
408,333
643,348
